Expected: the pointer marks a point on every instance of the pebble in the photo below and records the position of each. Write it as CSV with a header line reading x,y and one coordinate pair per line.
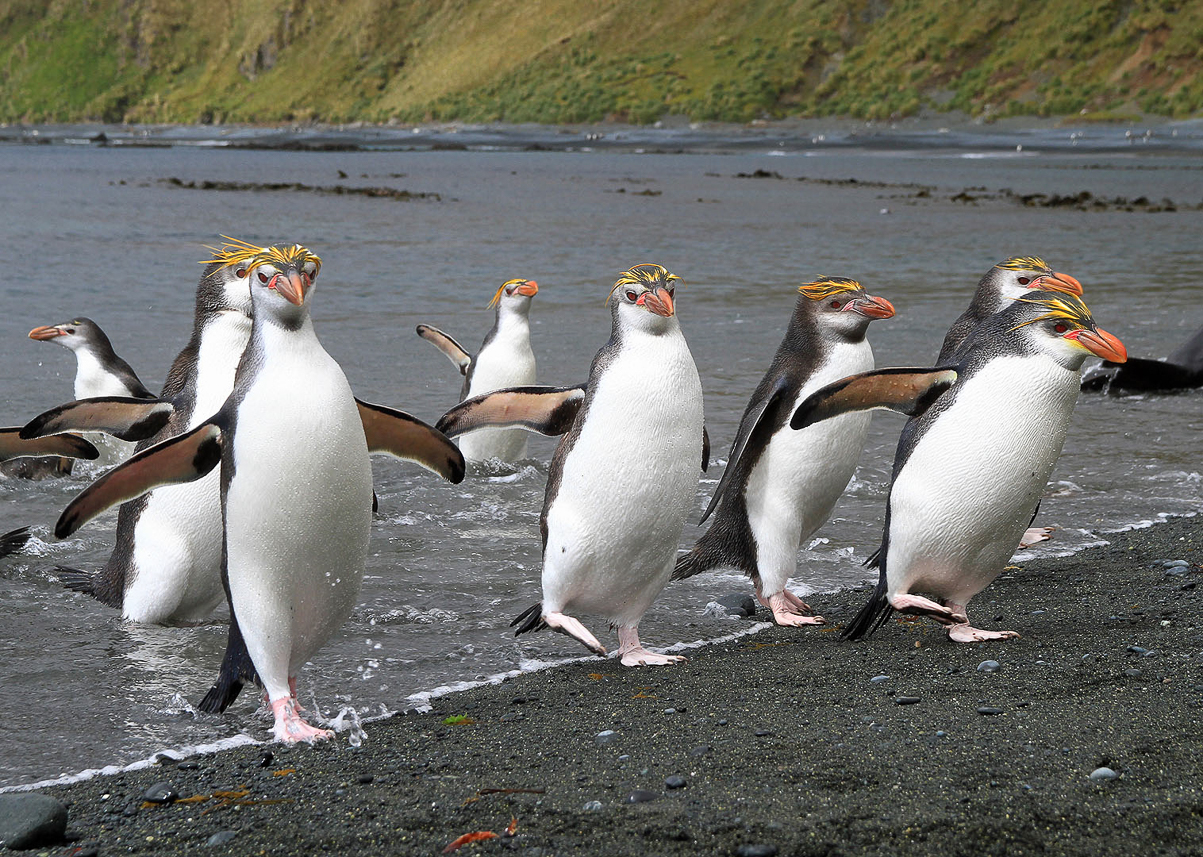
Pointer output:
x,y
161,793
602,739
764,733
593,806
265,758
988,710
941,734
738,604
675,782
221,837
878,679
670,711
641,796
188,766
624,758
1103,774
906,700
31,820
988,667
700,750
1134,673
366,779
757,850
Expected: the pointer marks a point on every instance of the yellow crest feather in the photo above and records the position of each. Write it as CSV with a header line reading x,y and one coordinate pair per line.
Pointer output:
x,y
1068,308
497,296
236,252
647,275
1023,263
825,287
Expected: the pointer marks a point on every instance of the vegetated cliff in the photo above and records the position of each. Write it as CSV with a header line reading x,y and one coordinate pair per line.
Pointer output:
x,y
573,61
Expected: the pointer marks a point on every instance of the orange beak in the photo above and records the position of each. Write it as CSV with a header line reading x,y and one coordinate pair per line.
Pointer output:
x,y
292,287
1100,343
657,301
529,289
871,306
44,333
1061,283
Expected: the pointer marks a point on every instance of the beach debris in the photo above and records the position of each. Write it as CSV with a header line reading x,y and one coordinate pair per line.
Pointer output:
x,y
1103,773
458,720
160,793
675,781
512,828
31,820
989,667
467,838
592,806
284,772
335,190
641,796
605,737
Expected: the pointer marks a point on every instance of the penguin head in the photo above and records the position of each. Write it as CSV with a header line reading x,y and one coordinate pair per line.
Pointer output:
x,y
1019,275
282,278
514,296
227,282
841,306
642,299
1060,326
76,334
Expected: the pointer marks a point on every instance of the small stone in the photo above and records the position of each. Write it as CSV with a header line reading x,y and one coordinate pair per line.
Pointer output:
x,y
738,604
670,711
161,793
30,820
721,723
878,679
518,700
764,733
641,796
906,700
605,738
624,758
1103,774
592,806
675,782
700,750
366,779
941,734
988,667
1134,673
188,766
265,758
221,837
1176,563
988,710
1138,650
511,716
757,850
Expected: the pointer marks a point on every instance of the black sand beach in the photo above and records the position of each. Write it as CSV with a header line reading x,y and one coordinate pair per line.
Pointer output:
x,y
776,743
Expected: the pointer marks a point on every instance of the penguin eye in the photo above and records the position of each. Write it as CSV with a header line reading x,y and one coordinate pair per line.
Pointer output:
x,y
835,304
240,273
1023,281
631,296
262,277
1060,327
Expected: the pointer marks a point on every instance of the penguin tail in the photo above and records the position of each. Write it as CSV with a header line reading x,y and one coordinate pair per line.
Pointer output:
x,y
14,541
530,619
77,580
236,670
872,616
688,565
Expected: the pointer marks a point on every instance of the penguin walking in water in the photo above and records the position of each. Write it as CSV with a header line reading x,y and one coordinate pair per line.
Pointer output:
x,y
505,359
165,567
625,473
984,434
1182,370
296,488
780,485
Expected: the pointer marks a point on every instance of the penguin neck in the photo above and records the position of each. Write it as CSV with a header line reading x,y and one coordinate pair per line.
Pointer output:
x,y
512,321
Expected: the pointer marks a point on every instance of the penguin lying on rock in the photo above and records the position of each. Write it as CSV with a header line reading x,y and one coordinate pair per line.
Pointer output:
x,y
296,488
780,485
505,359
984,434
625,474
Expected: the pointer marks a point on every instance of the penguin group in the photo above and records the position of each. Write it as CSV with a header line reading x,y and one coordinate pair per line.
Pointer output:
x,y
250,483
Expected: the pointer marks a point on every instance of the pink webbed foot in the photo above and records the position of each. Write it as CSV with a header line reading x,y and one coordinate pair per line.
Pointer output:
x,y
919,606
566,624
788,610
632,654
291,727
963,632
1034,536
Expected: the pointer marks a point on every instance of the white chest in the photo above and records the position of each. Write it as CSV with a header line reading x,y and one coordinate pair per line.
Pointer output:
x,y
221,346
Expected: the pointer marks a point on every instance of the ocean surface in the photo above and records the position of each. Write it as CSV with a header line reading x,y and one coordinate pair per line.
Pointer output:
x,y
111,223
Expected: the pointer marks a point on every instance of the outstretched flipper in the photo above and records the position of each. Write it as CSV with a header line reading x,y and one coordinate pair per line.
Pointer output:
x,y
751,419
14,445
14,541
119,416
455,352
397,433
546,410
185,458
908,391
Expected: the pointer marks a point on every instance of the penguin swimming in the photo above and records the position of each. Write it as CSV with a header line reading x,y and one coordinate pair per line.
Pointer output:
x,y
623,477
296,488
505,359
1182,370
165,567
972,461
780,485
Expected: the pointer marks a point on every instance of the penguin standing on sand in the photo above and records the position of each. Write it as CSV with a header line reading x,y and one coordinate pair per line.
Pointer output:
x,y
505,359
296,488
166,565
972,461
625,474
780,485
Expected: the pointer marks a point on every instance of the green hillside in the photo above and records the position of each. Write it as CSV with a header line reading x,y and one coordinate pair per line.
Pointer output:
x,y
589,60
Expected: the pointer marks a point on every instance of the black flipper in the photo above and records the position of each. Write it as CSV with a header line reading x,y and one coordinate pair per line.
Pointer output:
x,y
237,669
906,390
184,458
454,352
530,619
14,541
546,410
397,433
14,445
119,416
873,615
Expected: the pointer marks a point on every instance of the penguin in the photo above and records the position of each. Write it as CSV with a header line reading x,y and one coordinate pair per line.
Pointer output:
x,y
1182,370
623,476
505,359
291,445
780,485
984,434
99,371
165,567
1006,281
12,447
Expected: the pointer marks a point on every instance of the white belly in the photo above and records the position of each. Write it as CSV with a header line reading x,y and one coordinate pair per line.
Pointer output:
x,y
968,490
801,474
298,511
627,485
507,362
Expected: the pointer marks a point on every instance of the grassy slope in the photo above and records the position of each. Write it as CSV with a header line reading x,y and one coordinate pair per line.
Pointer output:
x,y
568,61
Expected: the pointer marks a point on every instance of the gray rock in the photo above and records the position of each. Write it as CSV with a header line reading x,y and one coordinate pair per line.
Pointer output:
x,y
161,793
988,710
906,700
1103,774
988,667
757,850
675,782
221,837
738,604
30,820
878,679
641,796
592,806
603,739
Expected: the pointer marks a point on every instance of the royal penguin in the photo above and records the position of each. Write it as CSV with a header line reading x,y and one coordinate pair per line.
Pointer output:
x,y
624,474
973,460
293,447
780,485
505,359
13,447
1181,370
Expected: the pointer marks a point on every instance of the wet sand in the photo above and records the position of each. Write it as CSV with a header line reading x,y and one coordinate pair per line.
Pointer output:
x,y
779,742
